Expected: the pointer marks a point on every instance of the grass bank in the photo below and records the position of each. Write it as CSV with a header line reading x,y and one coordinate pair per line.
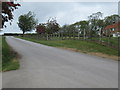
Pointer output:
x,y
9,57
80,46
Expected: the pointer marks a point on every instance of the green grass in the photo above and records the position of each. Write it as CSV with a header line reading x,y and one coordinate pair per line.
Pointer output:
x,y
9,57
112,40
83,46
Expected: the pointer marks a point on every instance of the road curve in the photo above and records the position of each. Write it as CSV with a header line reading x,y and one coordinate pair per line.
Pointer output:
x,y
48,67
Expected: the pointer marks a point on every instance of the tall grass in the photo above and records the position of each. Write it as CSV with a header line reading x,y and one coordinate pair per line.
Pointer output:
x,y
9,57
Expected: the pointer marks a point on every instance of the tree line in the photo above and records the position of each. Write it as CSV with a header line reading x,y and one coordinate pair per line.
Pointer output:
x,y
93,27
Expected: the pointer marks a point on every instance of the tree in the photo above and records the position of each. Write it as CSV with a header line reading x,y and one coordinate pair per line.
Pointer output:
x,y
109,20
27,22
93,22
101,26
83,27
52,26
40,29
64,30
70,31
7,12
73,29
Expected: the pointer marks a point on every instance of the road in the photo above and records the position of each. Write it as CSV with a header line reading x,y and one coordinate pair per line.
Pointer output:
x,y
48,67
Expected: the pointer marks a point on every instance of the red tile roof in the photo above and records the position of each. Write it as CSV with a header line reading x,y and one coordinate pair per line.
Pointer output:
x,y
116,25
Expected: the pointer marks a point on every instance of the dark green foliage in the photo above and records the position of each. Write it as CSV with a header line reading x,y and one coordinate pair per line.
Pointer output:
x,y
52,26
27,22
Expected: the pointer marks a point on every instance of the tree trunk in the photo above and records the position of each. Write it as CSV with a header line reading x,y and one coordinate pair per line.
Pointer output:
x,y
100,37
47,36
84,34
69,35
62,35
78,35
73,35
23,33
59,35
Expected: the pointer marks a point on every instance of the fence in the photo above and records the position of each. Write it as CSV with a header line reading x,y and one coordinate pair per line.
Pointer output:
x,y
112,42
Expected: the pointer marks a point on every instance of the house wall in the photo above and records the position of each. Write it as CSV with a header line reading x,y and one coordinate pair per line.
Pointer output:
x,y
114,35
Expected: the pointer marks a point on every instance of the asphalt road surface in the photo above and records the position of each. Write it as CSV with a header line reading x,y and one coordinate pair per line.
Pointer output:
x,y
48,67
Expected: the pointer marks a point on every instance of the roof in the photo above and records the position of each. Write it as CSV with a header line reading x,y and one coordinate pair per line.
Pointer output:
x,y
115,25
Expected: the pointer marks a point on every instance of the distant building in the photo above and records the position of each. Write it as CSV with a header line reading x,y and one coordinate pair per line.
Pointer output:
x,y
112,30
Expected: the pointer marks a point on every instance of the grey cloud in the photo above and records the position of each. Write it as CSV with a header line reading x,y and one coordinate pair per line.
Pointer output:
x,y
65,12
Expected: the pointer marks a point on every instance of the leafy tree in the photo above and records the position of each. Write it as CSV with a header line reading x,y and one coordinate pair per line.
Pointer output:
x,y
52,26
40,29
93,22
101,26
71,31
111,19
72,28
27,22
64,30
83,26
7,12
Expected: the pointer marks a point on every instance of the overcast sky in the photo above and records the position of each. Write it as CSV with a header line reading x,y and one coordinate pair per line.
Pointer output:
x,y
65,12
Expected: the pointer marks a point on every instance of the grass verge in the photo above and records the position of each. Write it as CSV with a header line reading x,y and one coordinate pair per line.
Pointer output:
x,y
80,46
9,57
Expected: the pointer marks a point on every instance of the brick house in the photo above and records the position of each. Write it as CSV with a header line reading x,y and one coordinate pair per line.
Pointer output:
x,y
112,30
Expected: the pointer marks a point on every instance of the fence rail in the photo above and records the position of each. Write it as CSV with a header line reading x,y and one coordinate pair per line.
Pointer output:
x,y
112,42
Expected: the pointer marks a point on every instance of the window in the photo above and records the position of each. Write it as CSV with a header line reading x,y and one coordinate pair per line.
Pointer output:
x,y
113,29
